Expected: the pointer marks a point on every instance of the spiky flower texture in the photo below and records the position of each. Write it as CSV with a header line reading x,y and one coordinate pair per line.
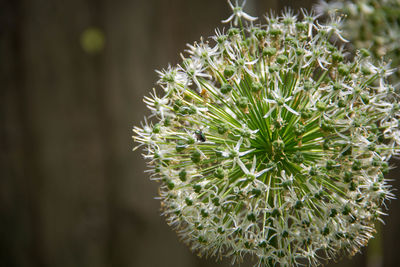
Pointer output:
x,y
267,142
372,24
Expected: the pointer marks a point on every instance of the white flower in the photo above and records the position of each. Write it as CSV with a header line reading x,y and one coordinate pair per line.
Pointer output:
x,y
171,77
252,174
278,102
238,13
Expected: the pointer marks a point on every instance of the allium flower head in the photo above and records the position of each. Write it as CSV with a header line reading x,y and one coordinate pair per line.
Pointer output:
x,y
370,24
268,142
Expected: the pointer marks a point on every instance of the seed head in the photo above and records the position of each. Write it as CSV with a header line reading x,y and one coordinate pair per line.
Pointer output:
x,y
268,142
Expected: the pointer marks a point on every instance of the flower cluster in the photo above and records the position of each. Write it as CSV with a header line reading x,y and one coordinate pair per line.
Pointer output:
x,y
268,142
371,24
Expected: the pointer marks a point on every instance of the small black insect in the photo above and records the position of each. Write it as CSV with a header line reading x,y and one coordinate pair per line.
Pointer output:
x,y
200,136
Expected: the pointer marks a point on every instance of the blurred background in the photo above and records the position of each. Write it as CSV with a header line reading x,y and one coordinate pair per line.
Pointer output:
x,y
73,75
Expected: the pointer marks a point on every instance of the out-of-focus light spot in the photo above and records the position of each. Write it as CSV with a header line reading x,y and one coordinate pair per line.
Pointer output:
x,y
92,40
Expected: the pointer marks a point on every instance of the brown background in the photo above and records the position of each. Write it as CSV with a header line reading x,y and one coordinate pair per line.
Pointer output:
x,y
72,192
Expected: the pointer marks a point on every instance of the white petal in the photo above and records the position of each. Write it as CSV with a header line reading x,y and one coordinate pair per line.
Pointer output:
x,y
258,174
248,17
239,143
253,166
241,154
269,113
270,101
242,166
228,19
230,4
291,110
